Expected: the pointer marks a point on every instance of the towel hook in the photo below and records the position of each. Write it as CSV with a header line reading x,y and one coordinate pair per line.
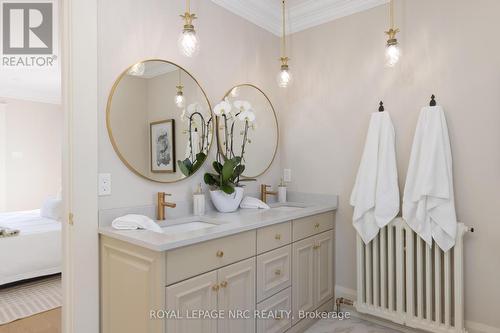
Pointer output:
x,y
433,101
381,107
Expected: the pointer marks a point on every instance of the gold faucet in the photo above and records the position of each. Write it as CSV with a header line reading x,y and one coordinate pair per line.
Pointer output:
x,y
264,192
160,209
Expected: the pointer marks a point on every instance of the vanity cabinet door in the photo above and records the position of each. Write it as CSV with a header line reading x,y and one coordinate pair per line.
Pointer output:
x,y
273,272
323,285
237,293
198,293
303,277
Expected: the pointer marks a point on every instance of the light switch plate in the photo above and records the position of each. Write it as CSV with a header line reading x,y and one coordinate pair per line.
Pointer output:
x,y
104,184
287,175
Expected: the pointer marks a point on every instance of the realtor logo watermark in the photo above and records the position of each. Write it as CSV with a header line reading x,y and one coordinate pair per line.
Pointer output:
x,y
27,34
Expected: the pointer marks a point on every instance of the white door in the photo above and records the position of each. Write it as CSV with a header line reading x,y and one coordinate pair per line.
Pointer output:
x,y
303,277
196,294
323,269
237,293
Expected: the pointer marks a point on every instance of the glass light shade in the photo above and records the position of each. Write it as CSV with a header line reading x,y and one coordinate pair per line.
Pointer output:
x,y
392,55
284,78
180,100
188,43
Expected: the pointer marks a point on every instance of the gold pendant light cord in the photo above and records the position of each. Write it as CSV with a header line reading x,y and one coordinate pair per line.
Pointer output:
x,y
284,27
391,13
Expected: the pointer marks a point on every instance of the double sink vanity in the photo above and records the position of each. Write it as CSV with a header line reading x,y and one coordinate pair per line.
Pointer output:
x,y
273,261
248,271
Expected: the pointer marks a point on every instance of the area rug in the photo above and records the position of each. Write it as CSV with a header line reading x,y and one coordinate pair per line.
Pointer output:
x,y
29,298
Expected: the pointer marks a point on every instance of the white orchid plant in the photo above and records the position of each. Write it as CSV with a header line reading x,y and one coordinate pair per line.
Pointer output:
x,y
239,110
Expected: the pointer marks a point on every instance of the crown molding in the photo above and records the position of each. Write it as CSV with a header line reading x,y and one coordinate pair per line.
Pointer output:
x,y
304,15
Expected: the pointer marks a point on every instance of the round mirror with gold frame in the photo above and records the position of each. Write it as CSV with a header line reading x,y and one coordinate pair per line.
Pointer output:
x,y
159,121
248,128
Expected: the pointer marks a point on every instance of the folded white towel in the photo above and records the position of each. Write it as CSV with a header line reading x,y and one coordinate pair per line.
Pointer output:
x,y
253,203
428,201
375,196
134,222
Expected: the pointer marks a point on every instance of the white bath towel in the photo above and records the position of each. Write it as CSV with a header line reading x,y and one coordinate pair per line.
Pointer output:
x,y
134,222
253,203
428,201
375,196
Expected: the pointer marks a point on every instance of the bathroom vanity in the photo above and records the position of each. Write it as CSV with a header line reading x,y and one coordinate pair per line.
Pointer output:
x,y
273,261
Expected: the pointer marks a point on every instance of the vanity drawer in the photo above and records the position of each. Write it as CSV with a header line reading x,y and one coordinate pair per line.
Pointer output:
x,y
203,257
312,225
278,304
274,236
273,272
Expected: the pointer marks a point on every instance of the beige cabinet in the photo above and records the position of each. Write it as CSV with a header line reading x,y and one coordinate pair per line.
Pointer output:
x,y
196,294
273,272
280,306
278,268
227,290
312,277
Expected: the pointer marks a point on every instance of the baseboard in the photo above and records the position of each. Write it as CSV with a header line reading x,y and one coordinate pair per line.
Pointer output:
x,y
340,291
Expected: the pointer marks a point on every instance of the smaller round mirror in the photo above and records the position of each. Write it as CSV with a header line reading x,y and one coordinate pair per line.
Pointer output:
x,y
248,127
159,121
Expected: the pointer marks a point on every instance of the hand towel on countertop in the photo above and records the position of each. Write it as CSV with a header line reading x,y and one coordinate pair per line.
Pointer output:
x,y
428,201
134,222
253,203
375,196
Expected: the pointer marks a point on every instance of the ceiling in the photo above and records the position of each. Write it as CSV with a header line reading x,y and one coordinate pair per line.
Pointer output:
x,y
302,14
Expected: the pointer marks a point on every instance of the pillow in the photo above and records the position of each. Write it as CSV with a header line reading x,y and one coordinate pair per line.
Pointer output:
x,y
52,209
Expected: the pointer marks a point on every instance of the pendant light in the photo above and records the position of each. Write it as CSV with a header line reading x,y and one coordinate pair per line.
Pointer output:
x,y
392,51
179,96
284,76
188,42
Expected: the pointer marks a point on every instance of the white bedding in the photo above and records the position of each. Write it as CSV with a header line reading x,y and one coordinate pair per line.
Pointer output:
x,y
36,251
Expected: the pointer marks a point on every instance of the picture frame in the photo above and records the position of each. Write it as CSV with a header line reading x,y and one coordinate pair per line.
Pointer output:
x,y
162,146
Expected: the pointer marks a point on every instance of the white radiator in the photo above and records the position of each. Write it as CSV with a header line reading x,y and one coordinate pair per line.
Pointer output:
x,y
401,279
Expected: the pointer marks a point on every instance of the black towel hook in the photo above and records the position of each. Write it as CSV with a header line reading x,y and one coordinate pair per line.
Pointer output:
x,y
381,107
433,101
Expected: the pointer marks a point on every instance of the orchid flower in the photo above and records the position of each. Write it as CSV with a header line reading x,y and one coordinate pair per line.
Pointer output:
x,y
247,115
224,107
242,106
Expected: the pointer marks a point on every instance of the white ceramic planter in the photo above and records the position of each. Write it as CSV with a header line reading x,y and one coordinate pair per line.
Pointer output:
x,y
227,203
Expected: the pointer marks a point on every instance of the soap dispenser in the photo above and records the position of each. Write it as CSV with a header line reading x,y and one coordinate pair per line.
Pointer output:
x,y
199,202
282,192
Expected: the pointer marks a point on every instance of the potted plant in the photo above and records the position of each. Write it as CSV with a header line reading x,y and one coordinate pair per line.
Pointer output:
x,y
226,192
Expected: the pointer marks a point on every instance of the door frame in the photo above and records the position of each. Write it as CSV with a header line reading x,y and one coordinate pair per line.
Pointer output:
x,y
80,312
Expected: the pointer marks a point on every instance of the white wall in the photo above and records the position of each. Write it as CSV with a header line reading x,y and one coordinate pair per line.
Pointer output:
x,y
450,48
31,158
232,51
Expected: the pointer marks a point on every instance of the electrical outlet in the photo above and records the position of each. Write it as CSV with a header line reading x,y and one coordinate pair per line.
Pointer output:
x,y
104,184
287,175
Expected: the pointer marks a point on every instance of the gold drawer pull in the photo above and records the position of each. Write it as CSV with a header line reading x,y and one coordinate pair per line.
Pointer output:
x,y
316,225
277,272
316,246
277,237
223,284
215,288
220,254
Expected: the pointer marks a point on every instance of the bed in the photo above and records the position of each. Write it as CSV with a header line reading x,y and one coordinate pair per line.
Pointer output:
x,y
35,252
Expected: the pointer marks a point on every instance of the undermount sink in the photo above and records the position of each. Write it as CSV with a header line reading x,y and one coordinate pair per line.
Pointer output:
x,y
187,226
287,206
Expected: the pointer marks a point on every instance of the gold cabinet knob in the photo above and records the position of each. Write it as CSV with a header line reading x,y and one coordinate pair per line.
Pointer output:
x,y
215,287
316,225
277,237
277,272
223,284
316,246
220,254
278,317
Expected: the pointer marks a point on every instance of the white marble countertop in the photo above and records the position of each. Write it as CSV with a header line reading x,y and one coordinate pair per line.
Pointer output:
x,y
225,224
